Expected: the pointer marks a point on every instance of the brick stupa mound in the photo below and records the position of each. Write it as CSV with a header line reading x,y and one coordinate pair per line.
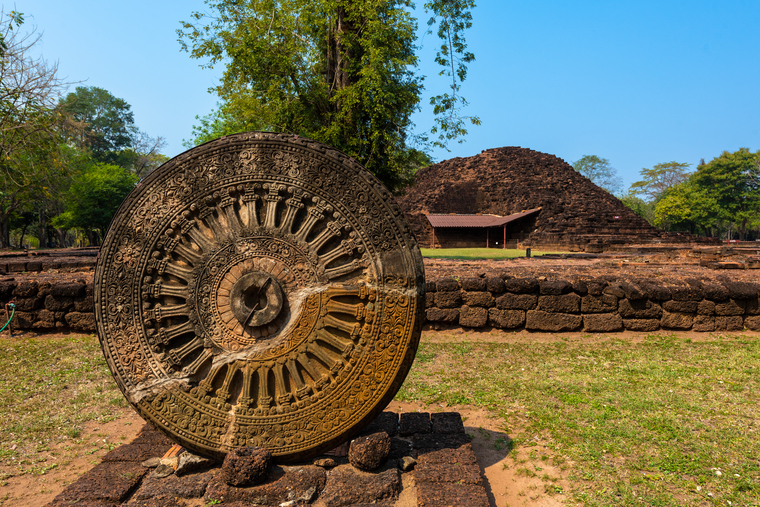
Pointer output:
x,y
502,181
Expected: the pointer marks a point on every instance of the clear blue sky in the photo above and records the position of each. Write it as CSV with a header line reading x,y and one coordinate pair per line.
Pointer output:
x,y
638,83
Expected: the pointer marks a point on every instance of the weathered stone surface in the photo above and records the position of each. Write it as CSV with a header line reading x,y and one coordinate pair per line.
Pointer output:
x,y
714,291
407,463
400,448
28,304
614,290
639,309
655,291
436,494
543,321
495,285
676,320
706,307
481,299
156,501
730,307
264,268
473,284
602,322
23,320
106,482
522,285
192,485
25,289
742,290
599,304
704,323
447,285
411,423
347,486
70,290
369,452
463,454
58,303
325,462
596,287
730,323
580,287
284,484
568,303
680,306
81,321
686,293
641,324
456,473
473,317
45,320
446,422
506,319
448,299
632,292
246,466
446,316
511,301
752,323
189,462
426,443
385,421
555,287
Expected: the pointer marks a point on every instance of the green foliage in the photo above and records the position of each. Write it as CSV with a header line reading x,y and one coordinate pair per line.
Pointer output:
x,y
337,71
639,206
600,172
95,196
732,181
108,121
659,179
686,207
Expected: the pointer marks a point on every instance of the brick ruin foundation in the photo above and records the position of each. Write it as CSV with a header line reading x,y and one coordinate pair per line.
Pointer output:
x,y
575,214
603,304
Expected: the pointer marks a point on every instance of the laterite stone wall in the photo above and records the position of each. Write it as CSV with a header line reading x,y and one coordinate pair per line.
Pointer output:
x,y
603,304
49,306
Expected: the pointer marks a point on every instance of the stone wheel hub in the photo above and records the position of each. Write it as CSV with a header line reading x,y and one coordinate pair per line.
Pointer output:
x,y
259,290
255,299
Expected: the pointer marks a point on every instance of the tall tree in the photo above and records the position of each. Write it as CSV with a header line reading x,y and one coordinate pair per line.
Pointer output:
x,y
337,71
30,125
662,177
108,121
600,172
730,180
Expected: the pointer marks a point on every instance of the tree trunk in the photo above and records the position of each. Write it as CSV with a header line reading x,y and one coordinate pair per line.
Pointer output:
x,y
42,228
23,233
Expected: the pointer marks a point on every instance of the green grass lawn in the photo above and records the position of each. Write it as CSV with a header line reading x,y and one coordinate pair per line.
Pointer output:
x,y
49,388
477,253
665,422
645,420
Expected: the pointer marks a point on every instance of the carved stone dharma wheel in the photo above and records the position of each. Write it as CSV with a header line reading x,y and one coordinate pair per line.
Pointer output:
x,y
259,290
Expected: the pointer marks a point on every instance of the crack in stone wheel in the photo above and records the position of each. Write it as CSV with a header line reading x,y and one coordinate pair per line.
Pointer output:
x,y
259,290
